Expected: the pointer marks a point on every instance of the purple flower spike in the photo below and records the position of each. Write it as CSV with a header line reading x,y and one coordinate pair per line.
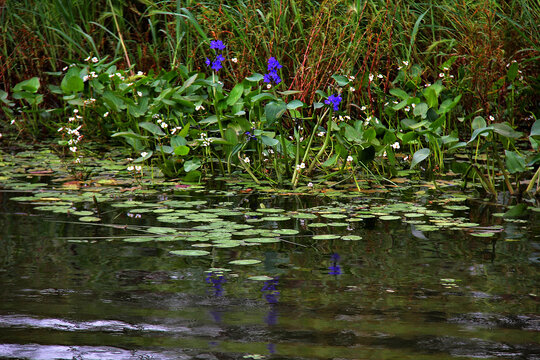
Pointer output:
x,y
217,45
334,100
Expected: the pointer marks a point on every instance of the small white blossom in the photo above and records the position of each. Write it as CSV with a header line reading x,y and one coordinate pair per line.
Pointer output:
x,y
106,114
139,94
268,86
140,73
95,59
371,76
321,133
131,168
363,108
73,149
407,109
406,158
138,167
88,58
234,60
144,153
446,69
164,125
351,78
349,158
199,107
441,75
384,154
491,118
246,160
65,68
310,184
12,122
395,145
380,76
78,160
351,89
406,63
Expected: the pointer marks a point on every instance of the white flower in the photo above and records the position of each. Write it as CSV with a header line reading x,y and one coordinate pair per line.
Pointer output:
x,y
246,160
491,118
73,149
95,59
75,111
351,78
199,107
131,168
427,85
139,94
140,73
12,122
363,108
269,86
144,153
351,89
106,114
234,60
164,125
413,105
321,133
380,76
441,75
349,158
407,109
138,167
406,158
65,68
85,78
175,129
310,184
384,154
78,160
446,69
60,129
1,135
406,63
371,77
395,145
88,58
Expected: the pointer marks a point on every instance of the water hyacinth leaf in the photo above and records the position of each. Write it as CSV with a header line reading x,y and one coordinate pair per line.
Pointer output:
x,y
340,80
245,262
514,162
419,156
190,252
261,97
235,94
295,104
274,111
152,128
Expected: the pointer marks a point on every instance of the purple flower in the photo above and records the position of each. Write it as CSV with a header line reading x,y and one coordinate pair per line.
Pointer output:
x,y
272,75
335,269
217,45
207,62
334,100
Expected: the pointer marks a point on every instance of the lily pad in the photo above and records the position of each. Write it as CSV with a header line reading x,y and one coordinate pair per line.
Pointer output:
x,y
260,278
89,219
190,252
245,262
325,237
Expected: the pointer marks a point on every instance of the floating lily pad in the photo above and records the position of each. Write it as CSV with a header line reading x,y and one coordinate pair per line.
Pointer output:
x,y
306,216
161,230
260,278
245,262
276,218
286,231
325,237
262,240
338,224
89,219
483,234
190,252
390,217
351,238
334,216
270,210
83,213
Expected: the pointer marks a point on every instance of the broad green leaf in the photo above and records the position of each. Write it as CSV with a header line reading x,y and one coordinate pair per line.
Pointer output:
x,y
212,119
419,156
263,96
130,134
516,211
340,79
421,110
514,162
331,161
505,130
152,128
30,85
268,141
187,84
512,72
295,104
178,140
274,111
181,150
191,165
478,123
255,77
235,94
402,94
115,103
535,129
479,131
72,84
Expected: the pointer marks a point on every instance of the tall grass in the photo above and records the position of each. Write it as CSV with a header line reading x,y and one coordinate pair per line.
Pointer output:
x,y
312,39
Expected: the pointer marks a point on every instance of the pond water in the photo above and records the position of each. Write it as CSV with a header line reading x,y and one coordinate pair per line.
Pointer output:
x,y
272,276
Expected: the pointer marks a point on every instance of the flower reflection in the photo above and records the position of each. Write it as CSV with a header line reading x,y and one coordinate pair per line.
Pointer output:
x,y
335,269
216,279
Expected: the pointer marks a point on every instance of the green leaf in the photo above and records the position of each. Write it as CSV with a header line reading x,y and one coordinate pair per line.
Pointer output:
x,y
130,134
115,103
535,129
479,131
421,110
181,150
331,161
512,72
419,156
409,137
478,123
340,79
212,119
153,128
516,211
191,165
514,162
72,84
268,141
30,85
289,92
255,77
262,96
274,111
295,104
505,130
402,94
187,84
178,140
235,94
352,134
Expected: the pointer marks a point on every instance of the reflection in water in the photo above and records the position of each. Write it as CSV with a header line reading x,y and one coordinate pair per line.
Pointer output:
x,y
217,280
271,295
335,269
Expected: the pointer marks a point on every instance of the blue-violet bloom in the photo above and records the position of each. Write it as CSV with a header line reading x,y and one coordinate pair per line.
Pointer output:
x,y
334,100
217,45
